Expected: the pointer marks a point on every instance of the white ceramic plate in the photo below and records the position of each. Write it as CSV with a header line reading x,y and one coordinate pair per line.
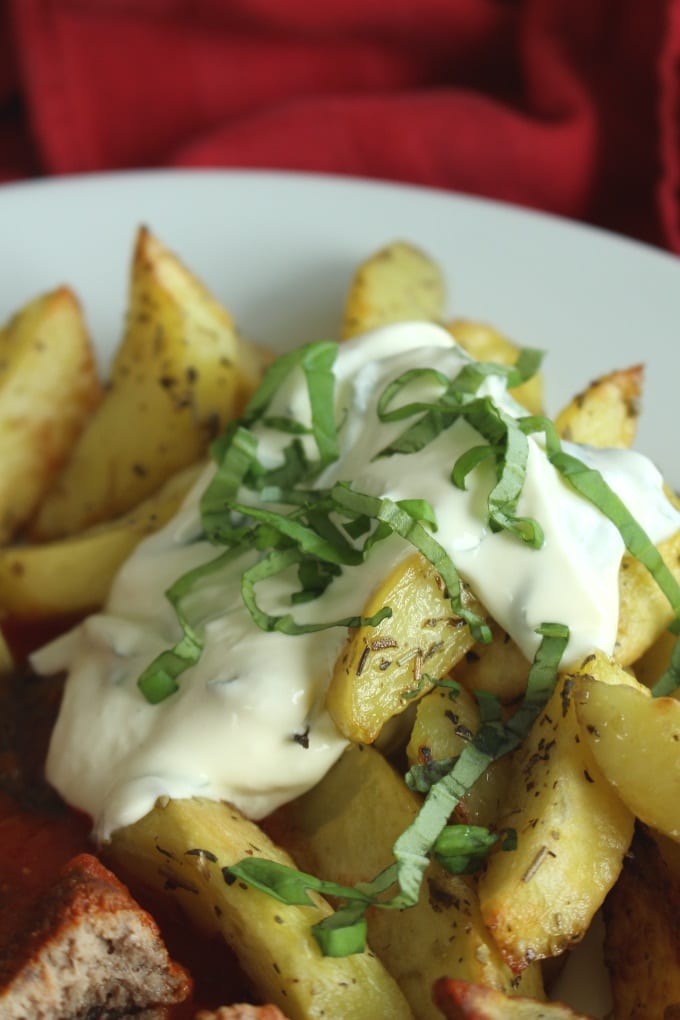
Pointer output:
x,y
279,250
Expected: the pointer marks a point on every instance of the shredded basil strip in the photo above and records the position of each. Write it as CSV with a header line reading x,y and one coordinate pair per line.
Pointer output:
x,y
511,465
235,458
507,443
472,458
159,680
590,484
461,849
274,563
340,934
467,382
400,521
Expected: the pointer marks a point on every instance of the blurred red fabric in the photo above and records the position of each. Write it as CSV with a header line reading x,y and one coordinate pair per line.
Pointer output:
x,y
571,106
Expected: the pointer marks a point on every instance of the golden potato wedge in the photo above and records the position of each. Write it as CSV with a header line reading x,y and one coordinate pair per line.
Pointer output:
x,y
607,670
441,729
181,848
484,343
652,664
396,284
73,575
635,740
176,380
644,611
572,833
606,413
642,935
337,833
459,1000
383,669
499,668
48,388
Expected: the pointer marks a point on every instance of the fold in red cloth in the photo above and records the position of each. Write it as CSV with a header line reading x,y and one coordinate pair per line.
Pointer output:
x,y
571,106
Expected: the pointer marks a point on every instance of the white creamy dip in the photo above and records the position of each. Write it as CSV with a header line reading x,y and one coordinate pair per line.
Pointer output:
x,y
248,723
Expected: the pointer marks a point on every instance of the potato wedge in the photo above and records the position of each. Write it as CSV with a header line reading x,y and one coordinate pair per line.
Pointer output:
x,y
650,667
181,848
459,1000
499,667
73,575
176,380
445,722
644,611
48,389
605,414
441,730
642,934
337,833
383,669
635,740
396,284
484,343
572,833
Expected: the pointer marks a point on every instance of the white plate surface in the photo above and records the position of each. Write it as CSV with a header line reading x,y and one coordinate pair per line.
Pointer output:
x,y
279,250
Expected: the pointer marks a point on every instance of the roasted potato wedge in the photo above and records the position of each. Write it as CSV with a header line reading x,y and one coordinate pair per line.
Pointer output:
x,y
499,668
650,667
176,380
48,389
445,722
441,729
338,834
606,413
181,847
644,611
635,740
383,669
396,284
459,1000
642,940
572,833
73,575
484,343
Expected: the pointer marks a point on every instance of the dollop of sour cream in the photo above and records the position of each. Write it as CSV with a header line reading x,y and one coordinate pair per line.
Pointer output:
x,y
248,724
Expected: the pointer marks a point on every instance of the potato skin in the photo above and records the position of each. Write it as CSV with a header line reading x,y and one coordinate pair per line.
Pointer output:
x,y
606,413
396,284
484,342
634,739
176,380
382,670
644,611
572,834
72,575
49,387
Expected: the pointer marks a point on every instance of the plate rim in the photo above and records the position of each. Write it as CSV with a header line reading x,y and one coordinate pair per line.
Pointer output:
x,y
129,176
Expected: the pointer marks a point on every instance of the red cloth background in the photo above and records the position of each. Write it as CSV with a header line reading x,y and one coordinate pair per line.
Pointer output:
x,y
572,106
